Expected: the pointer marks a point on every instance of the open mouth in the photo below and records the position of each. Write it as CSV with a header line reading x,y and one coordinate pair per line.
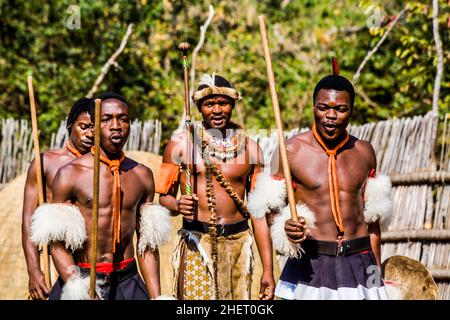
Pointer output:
x,y
217,121
115,138
330,126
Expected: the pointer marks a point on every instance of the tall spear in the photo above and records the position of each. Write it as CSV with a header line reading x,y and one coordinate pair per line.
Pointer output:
x,y
276,110
184,47
37,161
95,198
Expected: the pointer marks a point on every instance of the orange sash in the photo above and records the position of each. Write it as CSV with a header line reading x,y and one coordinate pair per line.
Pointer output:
x,y
332,178
167,175
73,150
114,166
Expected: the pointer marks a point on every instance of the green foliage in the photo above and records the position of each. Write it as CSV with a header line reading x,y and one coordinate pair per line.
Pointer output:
x,y
398,79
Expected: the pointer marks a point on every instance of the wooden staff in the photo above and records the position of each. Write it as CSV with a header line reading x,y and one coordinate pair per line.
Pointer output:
x,y
95,197
276,110
37,160
184,47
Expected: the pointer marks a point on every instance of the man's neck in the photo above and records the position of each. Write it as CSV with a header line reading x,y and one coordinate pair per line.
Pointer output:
x,y
225,133
331,144
111,155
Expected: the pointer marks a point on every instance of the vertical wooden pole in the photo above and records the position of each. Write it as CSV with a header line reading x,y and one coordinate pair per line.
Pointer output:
x,y
95,198
276,110
37,160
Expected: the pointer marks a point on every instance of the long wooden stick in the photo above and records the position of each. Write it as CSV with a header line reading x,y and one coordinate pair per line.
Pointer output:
x,y
276,110
37,159
95,197
184,47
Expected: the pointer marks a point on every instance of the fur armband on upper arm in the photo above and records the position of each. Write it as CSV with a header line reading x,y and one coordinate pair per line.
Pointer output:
x,y
280,240
269,194
378,204
154,227
58,222
167,176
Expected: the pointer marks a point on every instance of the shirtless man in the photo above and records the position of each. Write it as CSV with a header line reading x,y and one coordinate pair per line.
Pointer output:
x,y
338,228
126,193
81,139
214,258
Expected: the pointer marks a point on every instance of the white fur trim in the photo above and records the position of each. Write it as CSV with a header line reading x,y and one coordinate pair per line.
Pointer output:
x,y
279,238
378,198
77,287
269,194
165,297
58,222
155,227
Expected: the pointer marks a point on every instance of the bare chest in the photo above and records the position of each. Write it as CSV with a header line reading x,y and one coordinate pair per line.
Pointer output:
x,y
131,190
312,171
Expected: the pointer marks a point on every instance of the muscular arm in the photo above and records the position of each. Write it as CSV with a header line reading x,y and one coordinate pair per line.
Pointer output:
x,y
62,189
263,242
149,261
373,228
186,204
36,285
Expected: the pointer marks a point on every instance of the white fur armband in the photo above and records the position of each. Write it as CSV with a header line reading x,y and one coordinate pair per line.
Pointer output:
x,y
58,222
268,194
378,200
155,227
77,287
280,240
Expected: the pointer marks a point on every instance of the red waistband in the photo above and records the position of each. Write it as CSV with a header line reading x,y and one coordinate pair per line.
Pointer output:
x,y
107,267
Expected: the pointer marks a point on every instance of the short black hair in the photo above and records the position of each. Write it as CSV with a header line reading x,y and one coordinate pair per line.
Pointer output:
x,y
112,95
80,106
335,82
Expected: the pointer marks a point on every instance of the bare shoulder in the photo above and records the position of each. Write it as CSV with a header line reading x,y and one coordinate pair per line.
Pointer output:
x,y
364,148
177,139
76,166
143,171
173,151
56,158
300,140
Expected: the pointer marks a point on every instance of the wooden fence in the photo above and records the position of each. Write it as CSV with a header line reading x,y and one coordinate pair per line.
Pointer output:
x,y
16,148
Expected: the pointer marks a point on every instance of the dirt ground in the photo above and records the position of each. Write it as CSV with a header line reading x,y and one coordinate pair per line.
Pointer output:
x,y
13,274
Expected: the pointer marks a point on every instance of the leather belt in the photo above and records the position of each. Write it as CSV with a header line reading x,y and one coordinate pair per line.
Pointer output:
x,y
222,229
337,248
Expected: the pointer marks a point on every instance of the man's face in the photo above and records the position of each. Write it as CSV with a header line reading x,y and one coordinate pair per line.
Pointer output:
x,y
216,111
332,112
82,133
114,126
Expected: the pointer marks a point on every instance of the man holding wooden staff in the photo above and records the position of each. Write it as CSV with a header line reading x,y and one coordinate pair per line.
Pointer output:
x,y
125,206
213,258
334,247
80,128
